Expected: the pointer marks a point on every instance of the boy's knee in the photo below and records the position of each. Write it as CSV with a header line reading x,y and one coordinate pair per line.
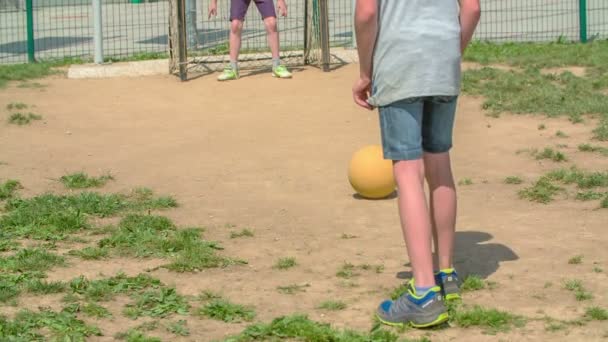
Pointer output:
x,y
271,24
236,26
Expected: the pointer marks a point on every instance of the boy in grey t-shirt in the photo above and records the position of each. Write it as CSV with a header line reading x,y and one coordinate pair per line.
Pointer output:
x,y
409,55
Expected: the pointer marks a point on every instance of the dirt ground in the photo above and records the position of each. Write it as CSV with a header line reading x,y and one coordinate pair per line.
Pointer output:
x,y
271,155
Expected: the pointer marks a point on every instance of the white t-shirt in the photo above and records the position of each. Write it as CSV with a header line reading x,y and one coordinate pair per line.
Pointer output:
x,y
417,51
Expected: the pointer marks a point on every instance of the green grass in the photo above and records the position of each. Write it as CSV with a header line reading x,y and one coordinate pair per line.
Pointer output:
x,y
43,287
301,328
597,270
21,119
589,195
58,326
551,154
489,320
604,202
16,106
157,303
30,260
576,286
561,134
591,148
223,310
103,290
513,180
348,236
601,132
81,180
53,217
134,335
8,189
596,313
472,283
178,328
332,305
465,181
243,233
23,72
541,127
582,179
91,253
145,236
543,191
398,291
89,309
575,260
285,263
292,289
347,271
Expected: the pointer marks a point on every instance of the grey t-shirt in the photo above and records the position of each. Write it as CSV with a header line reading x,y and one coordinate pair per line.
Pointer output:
x,y
417,50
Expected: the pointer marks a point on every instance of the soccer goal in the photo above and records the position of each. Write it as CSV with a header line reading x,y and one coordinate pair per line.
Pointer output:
x,y
198,45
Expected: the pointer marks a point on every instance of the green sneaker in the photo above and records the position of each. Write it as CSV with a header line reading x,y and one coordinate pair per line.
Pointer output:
x,y
449,282
281,72
228,74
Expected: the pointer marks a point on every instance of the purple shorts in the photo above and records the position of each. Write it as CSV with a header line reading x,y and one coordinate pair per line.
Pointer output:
x,y
238,8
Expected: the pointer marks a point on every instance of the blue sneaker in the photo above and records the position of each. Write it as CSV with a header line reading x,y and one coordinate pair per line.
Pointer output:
x,y
418,311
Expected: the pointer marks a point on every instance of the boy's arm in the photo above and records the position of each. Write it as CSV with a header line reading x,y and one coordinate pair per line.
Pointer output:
x,y
470,12
366,28
212,8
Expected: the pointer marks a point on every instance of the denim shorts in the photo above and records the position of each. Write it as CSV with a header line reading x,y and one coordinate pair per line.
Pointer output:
x,y
413,126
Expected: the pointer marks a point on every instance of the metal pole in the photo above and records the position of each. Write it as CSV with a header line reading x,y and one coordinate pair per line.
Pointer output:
x,y
352,22
583,20
324,28
191,22
98,31
31,46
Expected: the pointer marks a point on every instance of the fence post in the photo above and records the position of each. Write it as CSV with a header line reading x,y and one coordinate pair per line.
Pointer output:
x,y
582,15
191,22
31,46
98,31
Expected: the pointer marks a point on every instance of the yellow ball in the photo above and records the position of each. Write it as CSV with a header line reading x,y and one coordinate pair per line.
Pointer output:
x,y
370,175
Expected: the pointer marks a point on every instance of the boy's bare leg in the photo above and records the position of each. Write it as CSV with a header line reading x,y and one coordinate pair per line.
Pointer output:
x,y
415,219
442,206
273,36
236,30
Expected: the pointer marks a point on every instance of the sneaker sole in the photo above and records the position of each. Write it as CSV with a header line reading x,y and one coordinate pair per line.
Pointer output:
x,y
442,318
452,296
277,76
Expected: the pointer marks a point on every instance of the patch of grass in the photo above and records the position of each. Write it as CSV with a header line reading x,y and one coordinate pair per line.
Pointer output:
x,y
144,199
21,119
575,260
285,263
91,253
30,260
22,72
16,106
301,328
207,295
543,191
597,270
134,335
576,286
81,180
39,286
490,320
554,326
465,181
34,85
156,236
89,309
106,289
591,148
513,180
61,326
8,189
332,305
347,271
223,310
541,127
243,233
601,132
348,236
604,202
551,154
157,303
398,291
583,179
530,91
561,134
596,313
589,195
179,328
472,283
292,289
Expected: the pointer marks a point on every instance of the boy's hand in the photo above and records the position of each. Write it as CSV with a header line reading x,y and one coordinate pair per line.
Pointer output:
x,y
212,9
361,92
282,7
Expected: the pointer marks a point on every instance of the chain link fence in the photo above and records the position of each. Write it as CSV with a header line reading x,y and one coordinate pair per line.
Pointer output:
x,y
63,28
